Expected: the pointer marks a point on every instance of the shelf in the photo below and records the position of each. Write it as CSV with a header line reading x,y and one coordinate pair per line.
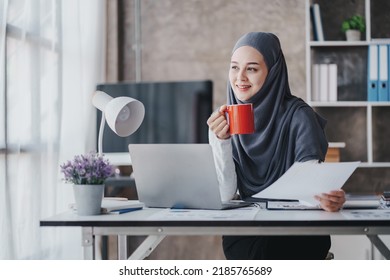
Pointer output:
x,y
340,43
349,104
336,144
361,124
348,43
374,164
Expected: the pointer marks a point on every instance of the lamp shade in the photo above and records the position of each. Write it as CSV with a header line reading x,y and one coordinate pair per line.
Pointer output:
x,y
124,115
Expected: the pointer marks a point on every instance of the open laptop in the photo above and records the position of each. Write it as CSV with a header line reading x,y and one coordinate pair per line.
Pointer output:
x,y
177,176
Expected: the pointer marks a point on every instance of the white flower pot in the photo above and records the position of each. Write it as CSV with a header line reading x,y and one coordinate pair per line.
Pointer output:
x,y
353,35
88,199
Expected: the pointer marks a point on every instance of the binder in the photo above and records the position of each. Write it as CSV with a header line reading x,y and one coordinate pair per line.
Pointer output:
x,y
332,81
324,83
388,72
383,84
316,82
372,74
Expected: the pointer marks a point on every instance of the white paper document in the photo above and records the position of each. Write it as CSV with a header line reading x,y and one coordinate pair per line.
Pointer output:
x,y
304,180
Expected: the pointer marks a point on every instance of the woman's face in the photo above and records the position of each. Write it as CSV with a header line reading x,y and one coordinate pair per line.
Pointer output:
x,y
247,72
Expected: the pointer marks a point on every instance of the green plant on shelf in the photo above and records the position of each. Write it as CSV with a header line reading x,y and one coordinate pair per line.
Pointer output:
x,y
355,22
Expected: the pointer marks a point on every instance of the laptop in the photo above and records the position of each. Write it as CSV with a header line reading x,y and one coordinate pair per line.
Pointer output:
x,y
177,176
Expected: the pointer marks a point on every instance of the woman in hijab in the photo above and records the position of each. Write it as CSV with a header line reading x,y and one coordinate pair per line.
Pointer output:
x,y
287,130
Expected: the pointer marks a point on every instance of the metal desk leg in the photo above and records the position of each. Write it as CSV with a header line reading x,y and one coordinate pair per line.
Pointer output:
x,y
146,247
378,243
122,247
88,243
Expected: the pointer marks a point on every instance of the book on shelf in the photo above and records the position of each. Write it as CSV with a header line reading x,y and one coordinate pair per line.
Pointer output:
x,y
334,151
332,155
383,93
318,33
323,81
332,81
372,73
324,86
315,89
378,73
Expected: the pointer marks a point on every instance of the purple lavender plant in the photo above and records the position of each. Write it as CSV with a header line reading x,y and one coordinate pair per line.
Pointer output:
x,y
89,169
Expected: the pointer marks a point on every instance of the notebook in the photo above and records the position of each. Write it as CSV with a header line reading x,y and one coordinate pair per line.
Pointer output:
x,y
177,176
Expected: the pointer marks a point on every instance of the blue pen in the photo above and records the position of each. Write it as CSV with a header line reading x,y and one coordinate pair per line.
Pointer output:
x,y
126,210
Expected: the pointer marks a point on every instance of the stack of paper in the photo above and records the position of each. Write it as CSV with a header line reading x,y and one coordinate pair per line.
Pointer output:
x,y
119,206
304,180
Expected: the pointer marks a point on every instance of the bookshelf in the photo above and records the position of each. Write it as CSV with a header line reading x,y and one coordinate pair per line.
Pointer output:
x,y
351,119
364,126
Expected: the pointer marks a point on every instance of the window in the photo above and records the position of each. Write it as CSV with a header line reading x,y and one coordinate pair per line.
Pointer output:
x,y
38,126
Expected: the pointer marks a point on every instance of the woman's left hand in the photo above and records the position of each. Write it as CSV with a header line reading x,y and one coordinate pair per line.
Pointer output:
x,y
332,201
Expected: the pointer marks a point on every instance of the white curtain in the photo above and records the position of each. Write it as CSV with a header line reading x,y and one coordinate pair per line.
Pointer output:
x,y
4,213
53,53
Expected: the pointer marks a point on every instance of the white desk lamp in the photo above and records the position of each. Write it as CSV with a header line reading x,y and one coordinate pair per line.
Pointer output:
x,y
124,114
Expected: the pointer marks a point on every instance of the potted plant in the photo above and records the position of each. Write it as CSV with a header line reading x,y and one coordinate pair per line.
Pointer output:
x,y
87,173
353,27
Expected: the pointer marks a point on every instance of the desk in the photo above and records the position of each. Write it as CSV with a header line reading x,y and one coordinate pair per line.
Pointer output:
x,y
151,222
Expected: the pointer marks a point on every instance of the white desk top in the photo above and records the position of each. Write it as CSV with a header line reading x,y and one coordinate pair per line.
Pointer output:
x,y
235,217
158,223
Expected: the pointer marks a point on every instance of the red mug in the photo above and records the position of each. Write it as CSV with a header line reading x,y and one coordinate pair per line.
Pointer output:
x,y
240,118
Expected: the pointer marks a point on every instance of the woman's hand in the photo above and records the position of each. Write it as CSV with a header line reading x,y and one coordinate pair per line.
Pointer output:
x,y
218,124
332,201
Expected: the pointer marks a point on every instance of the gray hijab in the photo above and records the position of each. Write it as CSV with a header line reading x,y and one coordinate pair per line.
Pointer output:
x,y
286,128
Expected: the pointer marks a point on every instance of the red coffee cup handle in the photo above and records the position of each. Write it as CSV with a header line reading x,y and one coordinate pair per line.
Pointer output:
x,y
225,111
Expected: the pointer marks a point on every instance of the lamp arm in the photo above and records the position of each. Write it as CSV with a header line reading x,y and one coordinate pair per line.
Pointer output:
x,y
101,130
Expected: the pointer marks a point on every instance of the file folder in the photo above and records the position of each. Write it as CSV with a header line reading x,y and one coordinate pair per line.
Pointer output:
x,y
332,79
324,83
388,72
316,82
383,84
372,79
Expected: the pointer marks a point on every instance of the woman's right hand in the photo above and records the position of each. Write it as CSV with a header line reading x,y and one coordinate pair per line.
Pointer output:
x,y
218,124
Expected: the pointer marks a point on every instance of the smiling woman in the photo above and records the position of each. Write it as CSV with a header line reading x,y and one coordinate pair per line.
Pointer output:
x,y
248,71
193,41
287,130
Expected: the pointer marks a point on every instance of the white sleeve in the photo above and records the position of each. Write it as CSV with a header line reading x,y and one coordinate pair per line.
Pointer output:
x,y
314,161
224,165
